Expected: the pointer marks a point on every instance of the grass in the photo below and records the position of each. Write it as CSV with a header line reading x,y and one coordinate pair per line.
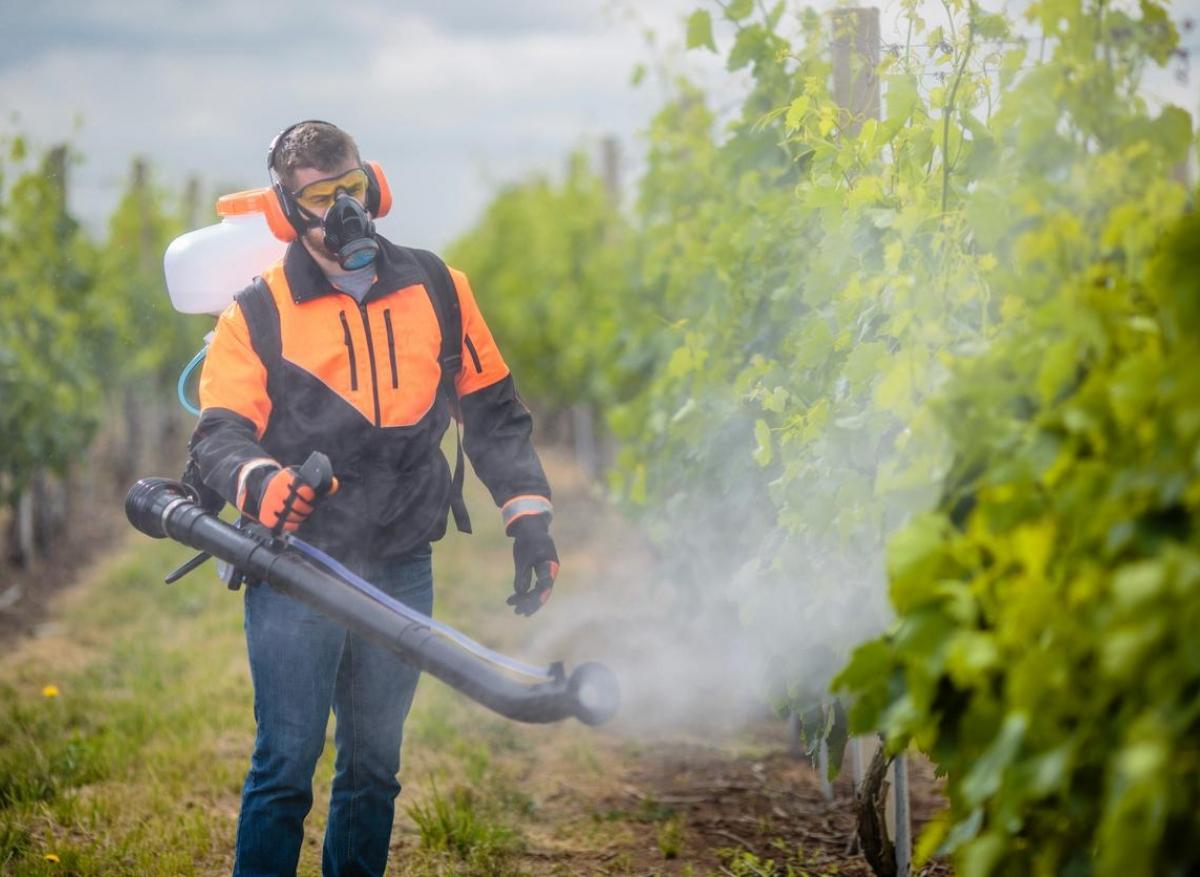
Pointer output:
x,y
111,726
670,838
126,727
792,862
458,825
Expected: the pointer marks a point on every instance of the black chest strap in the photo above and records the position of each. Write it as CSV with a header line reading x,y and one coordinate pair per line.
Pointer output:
x,y
444,297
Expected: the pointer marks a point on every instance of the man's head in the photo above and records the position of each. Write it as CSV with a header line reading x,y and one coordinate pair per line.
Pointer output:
x,y
315,163
315,145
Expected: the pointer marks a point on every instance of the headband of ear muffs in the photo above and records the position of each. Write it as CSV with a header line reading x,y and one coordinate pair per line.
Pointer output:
x,y
284,216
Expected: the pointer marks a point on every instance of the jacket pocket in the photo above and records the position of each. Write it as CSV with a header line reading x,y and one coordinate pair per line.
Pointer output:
x,y
474,355
387,321
349,341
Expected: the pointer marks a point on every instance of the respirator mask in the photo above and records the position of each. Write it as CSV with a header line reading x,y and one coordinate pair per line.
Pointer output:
x,y
349,229
350,233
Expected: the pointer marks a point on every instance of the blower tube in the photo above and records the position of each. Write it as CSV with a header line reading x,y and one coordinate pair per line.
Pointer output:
x,y
160,508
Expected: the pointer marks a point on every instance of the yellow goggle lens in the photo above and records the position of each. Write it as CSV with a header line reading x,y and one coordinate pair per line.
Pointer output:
x,y
317,197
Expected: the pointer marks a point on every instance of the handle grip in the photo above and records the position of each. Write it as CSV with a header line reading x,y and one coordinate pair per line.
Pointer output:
x,y
317,473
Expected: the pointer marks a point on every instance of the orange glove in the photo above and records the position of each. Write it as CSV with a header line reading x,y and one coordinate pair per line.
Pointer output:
x,y
285,502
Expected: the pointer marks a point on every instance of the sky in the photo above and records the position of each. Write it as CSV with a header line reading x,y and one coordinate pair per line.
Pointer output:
x,y
454,98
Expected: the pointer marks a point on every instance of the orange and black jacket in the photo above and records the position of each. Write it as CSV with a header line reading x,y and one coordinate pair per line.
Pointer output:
x,y
360,382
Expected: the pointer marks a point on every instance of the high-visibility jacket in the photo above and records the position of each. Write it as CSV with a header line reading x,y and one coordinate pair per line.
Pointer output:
x,y
360,382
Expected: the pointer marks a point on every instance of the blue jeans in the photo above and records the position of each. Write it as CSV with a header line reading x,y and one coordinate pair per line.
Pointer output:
x,y
302,663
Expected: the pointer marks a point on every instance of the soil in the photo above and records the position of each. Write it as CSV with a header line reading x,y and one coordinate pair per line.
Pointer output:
x,y
723,802
26,593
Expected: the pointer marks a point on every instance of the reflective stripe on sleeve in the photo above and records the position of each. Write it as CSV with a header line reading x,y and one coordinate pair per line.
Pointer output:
x,y
523,506
248,467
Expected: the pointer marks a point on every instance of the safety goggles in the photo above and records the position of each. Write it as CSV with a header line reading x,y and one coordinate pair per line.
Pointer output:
x,y
318,196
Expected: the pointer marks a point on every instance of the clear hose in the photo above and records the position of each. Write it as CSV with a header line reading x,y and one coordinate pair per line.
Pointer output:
x,y
461,640
184,377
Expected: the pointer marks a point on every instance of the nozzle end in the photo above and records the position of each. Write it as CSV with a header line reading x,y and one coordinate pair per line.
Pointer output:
x,y
145,502
597,693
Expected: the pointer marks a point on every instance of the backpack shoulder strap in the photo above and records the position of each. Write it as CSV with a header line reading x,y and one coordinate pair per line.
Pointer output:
x,y
262,319
443,295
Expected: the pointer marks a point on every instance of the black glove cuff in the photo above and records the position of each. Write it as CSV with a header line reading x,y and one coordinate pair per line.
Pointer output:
x,y
529,525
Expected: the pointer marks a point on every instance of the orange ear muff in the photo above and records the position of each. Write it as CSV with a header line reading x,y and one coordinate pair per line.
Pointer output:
x,y
380,207
277,219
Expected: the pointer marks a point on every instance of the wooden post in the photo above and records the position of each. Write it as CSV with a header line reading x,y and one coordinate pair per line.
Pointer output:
x,y
610,167
56,169
148,257
49,510
902,831
583,432
857,762
823,769
856,66
23,530
191,203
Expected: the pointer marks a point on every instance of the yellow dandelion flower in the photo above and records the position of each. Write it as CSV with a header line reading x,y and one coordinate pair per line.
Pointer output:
x,y
50,857
50,691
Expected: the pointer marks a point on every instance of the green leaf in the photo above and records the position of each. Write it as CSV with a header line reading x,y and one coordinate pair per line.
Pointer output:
x,y
1173,132
749,46
738,9
762,435
699,31
970,656
984,778
961,832
902,97
1060,362
1138,582
914,556
796,112
989,25
681,363
870,663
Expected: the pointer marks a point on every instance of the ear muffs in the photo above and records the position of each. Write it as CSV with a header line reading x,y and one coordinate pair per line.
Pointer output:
x,y
283,215
379,193
279,220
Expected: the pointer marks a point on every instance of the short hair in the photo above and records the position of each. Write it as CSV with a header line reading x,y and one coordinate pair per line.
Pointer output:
x,y
313,144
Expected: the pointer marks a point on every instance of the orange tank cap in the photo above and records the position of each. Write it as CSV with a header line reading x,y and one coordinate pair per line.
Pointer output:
x,y
241,203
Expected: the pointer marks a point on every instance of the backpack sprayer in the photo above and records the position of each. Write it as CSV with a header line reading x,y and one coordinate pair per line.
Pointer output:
x,y
224,257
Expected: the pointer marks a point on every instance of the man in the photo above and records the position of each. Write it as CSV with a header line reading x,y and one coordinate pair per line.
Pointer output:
x,y
341,351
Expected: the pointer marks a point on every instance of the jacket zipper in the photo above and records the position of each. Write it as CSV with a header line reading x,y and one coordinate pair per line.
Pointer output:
x,y
349,342
387,321
474,355
362,309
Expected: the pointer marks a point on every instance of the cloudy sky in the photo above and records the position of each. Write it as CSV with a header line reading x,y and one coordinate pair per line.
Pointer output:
x,y
453,97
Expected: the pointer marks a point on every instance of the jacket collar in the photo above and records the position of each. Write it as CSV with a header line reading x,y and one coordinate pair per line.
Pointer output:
x,y
395,266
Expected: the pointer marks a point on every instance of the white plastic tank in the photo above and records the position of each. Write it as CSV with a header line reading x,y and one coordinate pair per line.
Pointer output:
x,y
207,267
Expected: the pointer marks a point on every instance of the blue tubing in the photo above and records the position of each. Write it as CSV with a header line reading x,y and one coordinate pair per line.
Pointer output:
x,y
184,377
